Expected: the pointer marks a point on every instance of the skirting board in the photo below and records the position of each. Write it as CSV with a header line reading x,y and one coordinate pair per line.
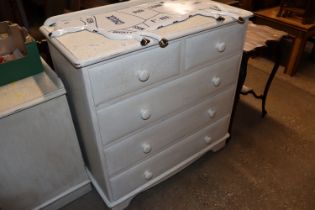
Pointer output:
x,y
66,197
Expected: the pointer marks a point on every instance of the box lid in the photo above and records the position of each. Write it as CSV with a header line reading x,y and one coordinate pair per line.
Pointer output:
x,y
28,92
90,36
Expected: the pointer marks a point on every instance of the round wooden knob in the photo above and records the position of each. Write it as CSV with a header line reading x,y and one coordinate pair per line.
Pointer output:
x,y
208,139
145,114
216,81
220,46
212,113
146,148
143,75
148,175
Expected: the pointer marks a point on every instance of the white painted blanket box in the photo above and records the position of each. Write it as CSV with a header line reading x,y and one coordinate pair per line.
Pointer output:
x,y
41,163
152,85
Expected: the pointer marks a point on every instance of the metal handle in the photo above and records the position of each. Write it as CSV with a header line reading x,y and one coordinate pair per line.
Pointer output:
x,y
143,75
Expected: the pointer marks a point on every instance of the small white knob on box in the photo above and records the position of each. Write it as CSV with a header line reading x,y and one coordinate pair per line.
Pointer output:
x,y
143,75
212,112
145,114
208,139
146,148
220,46
148,175
216,81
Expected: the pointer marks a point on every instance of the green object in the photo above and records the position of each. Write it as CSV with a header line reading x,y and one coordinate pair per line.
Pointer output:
x,y
23,67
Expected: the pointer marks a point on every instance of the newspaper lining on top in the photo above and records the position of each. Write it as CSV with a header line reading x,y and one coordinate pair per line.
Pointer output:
x,y
139,22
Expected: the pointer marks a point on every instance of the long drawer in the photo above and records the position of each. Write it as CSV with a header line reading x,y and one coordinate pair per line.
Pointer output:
x,y
208,47
133,113
128,74
127,153
149,171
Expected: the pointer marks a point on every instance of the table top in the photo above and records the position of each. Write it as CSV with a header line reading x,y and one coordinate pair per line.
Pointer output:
x,y
294,22
258,36
30,91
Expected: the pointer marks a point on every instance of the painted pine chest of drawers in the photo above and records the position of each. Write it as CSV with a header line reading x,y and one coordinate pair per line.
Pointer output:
x,y
151,85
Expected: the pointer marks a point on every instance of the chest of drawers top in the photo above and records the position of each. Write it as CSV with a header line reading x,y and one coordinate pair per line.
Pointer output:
x,y
138,19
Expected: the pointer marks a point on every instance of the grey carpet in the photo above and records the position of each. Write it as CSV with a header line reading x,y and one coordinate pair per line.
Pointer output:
x,y
268,164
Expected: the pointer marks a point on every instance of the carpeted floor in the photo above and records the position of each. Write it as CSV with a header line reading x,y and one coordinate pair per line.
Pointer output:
x,y
268,164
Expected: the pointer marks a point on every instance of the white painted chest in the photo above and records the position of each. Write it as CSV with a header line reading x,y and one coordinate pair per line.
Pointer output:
x,y
149,99
40,158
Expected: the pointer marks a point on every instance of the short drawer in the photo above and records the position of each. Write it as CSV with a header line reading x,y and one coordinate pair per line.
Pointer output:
x,y
152,140
116,78
211,46
152,170
133,113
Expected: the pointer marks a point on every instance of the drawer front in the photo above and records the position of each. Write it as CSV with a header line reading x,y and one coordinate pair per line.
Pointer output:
x,y
152,140
148,172
211,46
128,74
133,113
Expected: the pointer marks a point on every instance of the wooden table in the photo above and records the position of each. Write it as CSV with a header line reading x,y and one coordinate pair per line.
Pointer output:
x,y
258,38
300,32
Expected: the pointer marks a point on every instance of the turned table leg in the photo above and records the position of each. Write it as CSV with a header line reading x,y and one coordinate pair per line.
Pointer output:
x,y
296,54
